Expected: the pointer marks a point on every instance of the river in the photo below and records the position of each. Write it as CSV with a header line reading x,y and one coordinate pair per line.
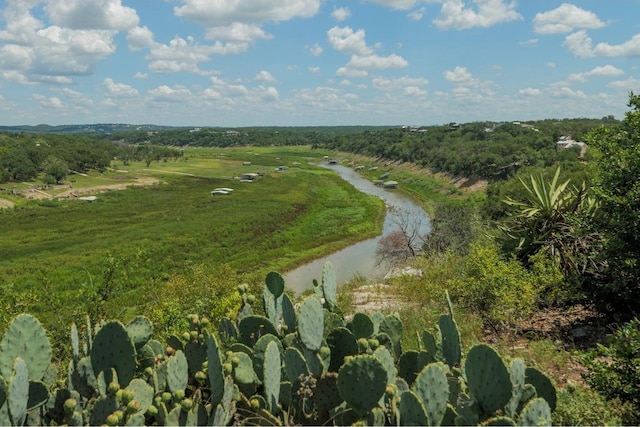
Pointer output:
x,y
359,259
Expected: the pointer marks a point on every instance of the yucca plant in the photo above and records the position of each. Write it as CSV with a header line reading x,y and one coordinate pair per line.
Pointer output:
x,y
550,217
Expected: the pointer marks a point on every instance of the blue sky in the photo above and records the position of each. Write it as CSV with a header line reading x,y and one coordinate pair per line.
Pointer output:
x,y
315,62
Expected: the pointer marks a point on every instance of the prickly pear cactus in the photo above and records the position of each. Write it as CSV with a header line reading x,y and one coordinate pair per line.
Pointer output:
x,y
311,323
329,287
140,330
411,410
177,371
18,392
536,413
362,381
361,326
25,338
488,379
272,296
432,387
544,386
272,376
214,369
113,348
517,374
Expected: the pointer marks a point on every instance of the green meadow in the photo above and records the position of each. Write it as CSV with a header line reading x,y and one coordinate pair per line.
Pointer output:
x,y
130,242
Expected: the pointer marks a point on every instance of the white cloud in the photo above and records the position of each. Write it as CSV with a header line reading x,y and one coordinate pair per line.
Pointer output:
x,y
417,15
223,13
402,83
396,4
92,14
566,92
468,87
530,92
341,14
140,38
119,89
459,75
265,76
630,84
353,43
237,32
314,70
565,19
315,50
459,15
606,71
34,52
345,40
140,75
46,102
581,45
165,93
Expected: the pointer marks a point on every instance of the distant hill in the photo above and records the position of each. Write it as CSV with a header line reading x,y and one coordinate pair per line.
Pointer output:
x,y
88,128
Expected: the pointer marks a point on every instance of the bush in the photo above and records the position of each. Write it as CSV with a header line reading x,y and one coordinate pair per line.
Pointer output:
x,y
580,406
614,370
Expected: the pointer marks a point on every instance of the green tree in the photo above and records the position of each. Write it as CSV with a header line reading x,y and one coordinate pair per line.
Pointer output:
x,y
617,183
55,168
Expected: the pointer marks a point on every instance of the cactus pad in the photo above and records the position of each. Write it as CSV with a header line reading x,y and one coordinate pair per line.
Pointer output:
x,y
411,410
488,379
253,327
112,348
536,413
451,348
140,330
25,338
362,381
214,369
544,386
329,287
272,375
18,392
432,387
311,323
342,344
177,371
361,326
259,351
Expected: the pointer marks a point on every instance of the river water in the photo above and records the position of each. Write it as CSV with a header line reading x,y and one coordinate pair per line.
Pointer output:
x,y
359,259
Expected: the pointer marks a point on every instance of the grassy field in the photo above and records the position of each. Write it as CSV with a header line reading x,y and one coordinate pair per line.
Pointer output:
x,y
135,239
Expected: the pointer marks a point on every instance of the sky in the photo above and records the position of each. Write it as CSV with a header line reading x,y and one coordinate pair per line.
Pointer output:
x,y
235,63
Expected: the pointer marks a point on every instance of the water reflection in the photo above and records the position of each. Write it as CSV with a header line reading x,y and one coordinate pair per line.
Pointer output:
x,y
359,259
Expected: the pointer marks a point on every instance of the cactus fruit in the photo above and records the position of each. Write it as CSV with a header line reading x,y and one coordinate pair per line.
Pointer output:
x,y
411,410
432,387
112,348
311,323
487,378
25,338
362,381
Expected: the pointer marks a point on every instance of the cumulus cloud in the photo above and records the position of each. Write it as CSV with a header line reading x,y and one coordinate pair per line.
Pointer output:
x,y
468,87
81,33
341,14
363,57
565,19
92,14
315,50
416,15
265,76
605,71
530,92
140,38
119,89
459,15
165,93
581,45
223,13
396,4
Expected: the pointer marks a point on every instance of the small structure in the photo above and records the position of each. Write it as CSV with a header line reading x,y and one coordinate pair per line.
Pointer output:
x,y
390,184
249,177
88,198
246,163
333,162
359,168
384,175
221,191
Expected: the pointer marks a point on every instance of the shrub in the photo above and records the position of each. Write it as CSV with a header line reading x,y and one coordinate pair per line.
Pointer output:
x,y
614,370
581,406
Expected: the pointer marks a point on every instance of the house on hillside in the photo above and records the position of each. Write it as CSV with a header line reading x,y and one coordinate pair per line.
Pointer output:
x,y
249,177
567,142
390,184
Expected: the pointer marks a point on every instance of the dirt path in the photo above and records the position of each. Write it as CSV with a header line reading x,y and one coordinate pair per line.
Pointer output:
x,y
74,192
4,203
